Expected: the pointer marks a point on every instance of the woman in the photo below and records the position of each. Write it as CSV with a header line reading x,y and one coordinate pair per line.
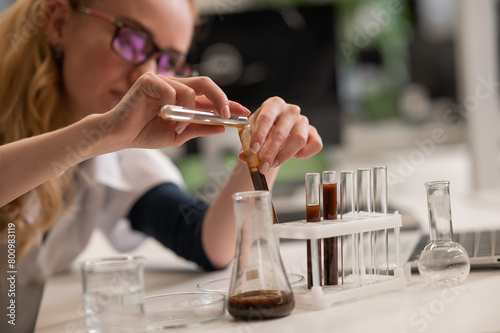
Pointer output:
x,y
64,65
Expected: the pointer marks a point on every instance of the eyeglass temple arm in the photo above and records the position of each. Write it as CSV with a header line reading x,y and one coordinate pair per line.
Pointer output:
x,y
98,14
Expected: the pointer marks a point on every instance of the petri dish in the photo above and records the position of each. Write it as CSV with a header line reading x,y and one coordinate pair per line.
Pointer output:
x,y
222,285
185,309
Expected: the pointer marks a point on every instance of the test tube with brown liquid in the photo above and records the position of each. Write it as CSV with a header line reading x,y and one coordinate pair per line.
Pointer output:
x,y
179,113
330,245
253,161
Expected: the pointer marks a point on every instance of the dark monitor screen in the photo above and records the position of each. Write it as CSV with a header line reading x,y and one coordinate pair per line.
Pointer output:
x,y
287,52
432,60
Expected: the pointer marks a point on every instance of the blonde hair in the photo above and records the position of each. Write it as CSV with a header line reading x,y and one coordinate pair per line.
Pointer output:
x,y
31,99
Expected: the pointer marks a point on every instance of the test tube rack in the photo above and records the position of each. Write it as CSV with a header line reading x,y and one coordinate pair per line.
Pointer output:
x,y
323,297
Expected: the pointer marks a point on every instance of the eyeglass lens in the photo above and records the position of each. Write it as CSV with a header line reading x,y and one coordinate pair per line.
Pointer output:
x,y
136,49
130,46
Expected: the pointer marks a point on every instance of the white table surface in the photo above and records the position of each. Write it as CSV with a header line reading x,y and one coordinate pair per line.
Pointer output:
x,y
471,307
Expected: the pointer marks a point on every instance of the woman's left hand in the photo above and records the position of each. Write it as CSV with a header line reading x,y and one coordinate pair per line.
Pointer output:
x,y
280,132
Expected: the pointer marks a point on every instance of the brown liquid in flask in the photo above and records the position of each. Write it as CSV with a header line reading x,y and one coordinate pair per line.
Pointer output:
x,y
259,288
260,304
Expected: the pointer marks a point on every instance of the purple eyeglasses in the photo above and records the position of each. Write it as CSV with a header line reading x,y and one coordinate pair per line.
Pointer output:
x,y
136,46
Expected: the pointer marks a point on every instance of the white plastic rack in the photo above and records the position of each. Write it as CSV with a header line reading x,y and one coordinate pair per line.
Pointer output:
x,y
351,287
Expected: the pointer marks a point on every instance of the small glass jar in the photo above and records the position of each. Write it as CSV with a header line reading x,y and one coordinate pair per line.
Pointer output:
x,y
443,262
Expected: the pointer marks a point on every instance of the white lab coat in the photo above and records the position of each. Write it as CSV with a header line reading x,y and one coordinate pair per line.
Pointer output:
x,y
109,185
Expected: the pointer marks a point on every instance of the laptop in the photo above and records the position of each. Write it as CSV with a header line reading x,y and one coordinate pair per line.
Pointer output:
x,y
483,248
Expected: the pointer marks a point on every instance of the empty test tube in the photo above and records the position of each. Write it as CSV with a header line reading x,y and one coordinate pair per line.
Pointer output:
x,y
347,195
313,214
346,213
380,207
380,189
363,195
363,200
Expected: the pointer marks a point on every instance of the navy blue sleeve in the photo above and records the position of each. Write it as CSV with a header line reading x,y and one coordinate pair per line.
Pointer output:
x,y
175,219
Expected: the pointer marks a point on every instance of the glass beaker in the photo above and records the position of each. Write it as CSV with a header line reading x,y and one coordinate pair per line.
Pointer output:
x,y
443,262
259,287
113,294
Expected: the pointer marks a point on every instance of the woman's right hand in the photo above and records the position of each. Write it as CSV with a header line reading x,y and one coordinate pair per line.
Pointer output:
x,y
135,121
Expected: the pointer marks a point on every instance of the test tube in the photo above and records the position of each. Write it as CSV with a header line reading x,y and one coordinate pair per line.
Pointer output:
x,y
380,207
253,160
313,214
347,195
179,113
363,199
198,116
330,246
346,213
380,189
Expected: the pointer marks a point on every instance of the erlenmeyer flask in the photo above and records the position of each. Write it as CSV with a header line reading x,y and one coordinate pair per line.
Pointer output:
x,y
443,262
259,287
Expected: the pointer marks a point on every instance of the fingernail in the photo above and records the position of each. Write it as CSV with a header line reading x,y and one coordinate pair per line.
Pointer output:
x,y
227,112
180,129
255,148
276,163
264,168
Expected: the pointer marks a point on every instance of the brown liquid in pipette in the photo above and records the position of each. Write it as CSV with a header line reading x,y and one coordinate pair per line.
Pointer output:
x,y
330,256
313,214
259,181
260,304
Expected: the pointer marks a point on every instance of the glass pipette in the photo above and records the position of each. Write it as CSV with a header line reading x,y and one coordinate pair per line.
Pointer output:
x,y
179,113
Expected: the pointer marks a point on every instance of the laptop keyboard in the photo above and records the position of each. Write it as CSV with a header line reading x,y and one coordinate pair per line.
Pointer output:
x,y
477,244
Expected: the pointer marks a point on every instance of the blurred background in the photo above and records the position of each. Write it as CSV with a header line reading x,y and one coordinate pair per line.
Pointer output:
x,y
394,83
408,84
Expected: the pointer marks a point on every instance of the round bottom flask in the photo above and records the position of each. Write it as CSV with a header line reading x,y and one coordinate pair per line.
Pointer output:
x,y
443,262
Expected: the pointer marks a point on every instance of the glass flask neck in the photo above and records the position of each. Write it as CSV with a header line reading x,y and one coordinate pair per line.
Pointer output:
x,y
438,203
253,212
